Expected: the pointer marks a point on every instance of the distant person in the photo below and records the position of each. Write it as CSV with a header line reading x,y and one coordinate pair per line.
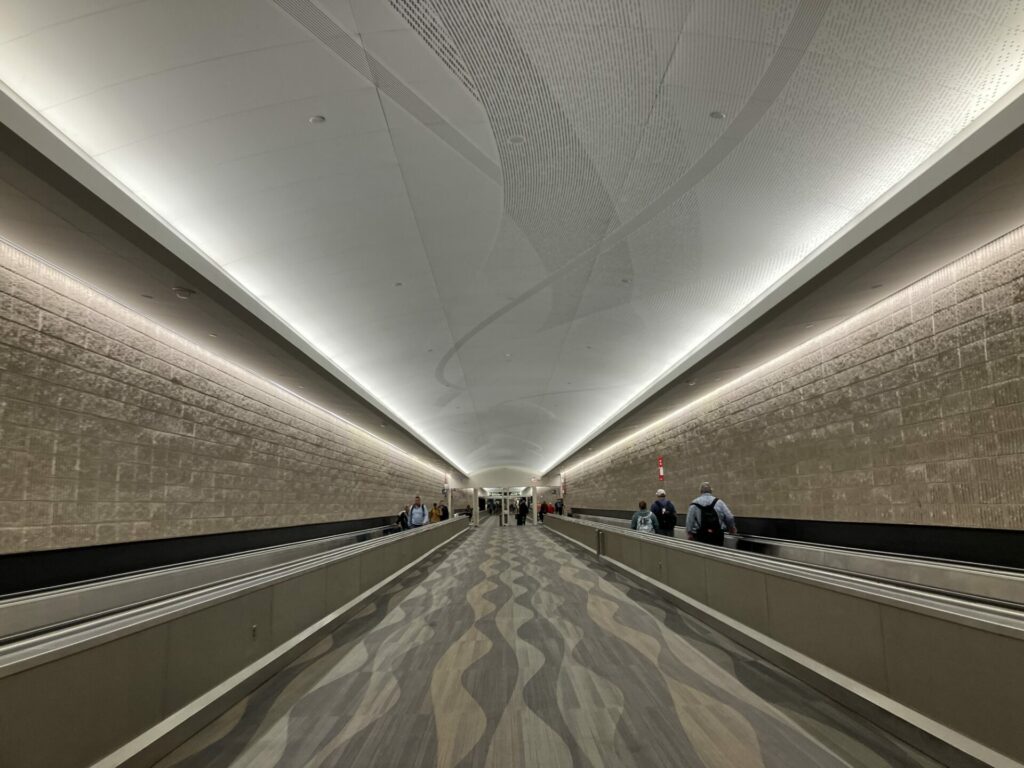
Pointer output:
x,y
445,514
559,506
543,510
709,518
435,514
665,513
403,518
418,515
522,512
643,520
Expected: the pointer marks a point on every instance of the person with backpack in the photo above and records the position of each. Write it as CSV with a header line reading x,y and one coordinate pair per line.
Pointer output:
x,y
643,520
403,519
418,515
665,513
709,518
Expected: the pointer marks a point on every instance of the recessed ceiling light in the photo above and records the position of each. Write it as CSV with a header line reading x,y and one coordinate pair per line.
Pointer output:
x,y
508,354
384,426
184,293
877,285
716,115
691,382
398,285
213,335
809,325
517,139
147,296
626,280
317,119
430,350
589,347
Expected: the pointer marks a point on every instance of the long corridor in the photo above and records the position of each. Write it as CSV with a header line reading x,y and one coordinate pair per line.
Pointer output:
x,y
512,649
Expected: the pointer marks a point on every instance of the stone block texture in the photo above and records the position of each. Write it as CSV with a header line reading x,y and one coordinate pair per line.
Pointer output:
x,y
910,412
462,498
114,429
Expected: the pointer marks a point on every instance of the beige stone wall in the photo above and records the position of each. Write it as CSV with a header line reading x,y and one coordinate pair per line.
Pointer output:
x,y
463,497
114,429
912,412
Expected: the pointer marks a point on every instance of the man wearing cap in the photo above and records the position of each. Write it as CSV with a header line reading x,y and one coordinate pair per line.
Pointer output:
x,y
665,511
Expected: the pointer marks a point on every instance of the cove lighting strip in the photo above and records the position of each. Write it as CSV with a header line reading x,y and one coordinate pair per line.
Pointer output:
x,y
880,308
33,262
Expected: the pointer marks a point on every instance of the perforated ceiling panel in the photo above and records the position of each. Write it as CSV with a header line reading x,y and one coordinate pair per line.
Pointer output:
x,y
517,214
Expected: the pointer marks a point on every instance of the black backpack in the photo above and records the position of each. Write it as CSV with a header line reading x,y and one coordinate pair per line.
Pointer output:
x,y
710,531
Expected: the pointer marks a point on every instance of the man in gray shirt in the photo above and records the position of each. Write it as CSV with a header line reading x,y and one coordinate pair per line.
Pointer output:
x,y
709,518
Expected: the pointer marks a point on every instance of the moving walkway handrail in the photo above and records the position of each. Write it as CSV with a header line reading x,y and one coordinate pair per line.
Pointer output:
x,y
993,618
37,611
1000,586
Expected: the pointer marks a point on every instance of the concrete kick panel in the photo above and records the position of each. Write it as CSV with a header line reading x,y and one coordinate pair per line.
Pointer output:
x,y
207,647
685,573
966,678
841,631
738,593
75,710
298,603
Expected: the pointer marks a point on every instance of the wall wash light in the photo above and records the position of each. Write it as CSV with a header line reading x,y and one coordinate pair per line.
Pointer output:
x,y
984,254
28,263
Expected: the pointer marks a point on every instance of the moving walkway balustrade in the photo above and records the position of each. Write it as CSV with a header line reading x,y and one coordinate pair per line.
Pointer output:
x,y
125,687
943,672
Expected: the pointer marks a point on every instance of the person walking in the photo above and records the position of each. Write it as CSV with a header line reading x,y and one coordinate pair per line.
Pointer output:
x,y
418,515
665,513
403,518
435,513
644,520
708,518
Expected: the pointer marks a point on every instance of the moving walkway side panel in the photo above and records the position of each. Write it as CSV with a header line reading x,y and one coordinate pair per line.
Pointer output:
x,y
298,603
966,677
841,631
207,647
686,574
945,673
126,688
581,534
73,711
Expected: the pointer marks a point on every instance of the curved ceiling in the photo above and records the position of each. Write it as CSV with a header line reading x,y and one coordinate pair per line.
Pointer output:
x,y
515,215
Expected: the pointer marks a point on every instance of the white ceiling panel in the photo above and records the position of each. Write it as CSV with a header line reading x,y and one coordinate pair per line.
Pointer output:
x,y
517,215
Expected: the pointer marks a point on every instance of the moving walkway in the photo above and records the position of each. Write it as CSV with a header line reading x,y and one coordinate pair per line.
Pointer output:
x,y
933,652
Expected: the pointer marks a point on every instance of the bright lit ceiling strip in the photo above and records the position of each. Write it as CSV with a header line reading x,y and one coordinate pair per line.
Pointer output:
x,y
1001,117
28,122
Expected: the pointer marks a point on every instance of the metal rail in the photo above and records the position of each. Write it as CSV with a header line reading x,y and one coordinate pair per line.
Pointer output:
x,y
993,615
997,586
30,613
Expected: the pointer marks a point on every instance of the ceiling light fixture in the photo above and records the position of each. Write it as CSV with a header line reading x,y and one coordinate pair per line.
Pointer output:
x,y
212,335
691,382
876,285
717,115
517,139
147,296
184,293
626,280
398,285
317,119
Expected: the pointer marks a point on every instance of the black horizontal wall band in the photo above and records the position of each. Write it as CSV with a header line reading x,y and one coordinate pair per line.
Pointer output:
x,y
44,569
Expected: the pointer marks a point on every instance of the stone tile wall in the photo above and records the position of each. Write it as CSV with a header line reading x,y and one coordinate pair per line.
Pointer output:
x,y
113,429
911,412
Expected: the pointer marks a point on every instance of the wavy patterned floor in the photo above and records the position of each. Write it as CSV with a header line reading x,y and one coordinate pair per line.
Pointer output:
x,y
517,650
